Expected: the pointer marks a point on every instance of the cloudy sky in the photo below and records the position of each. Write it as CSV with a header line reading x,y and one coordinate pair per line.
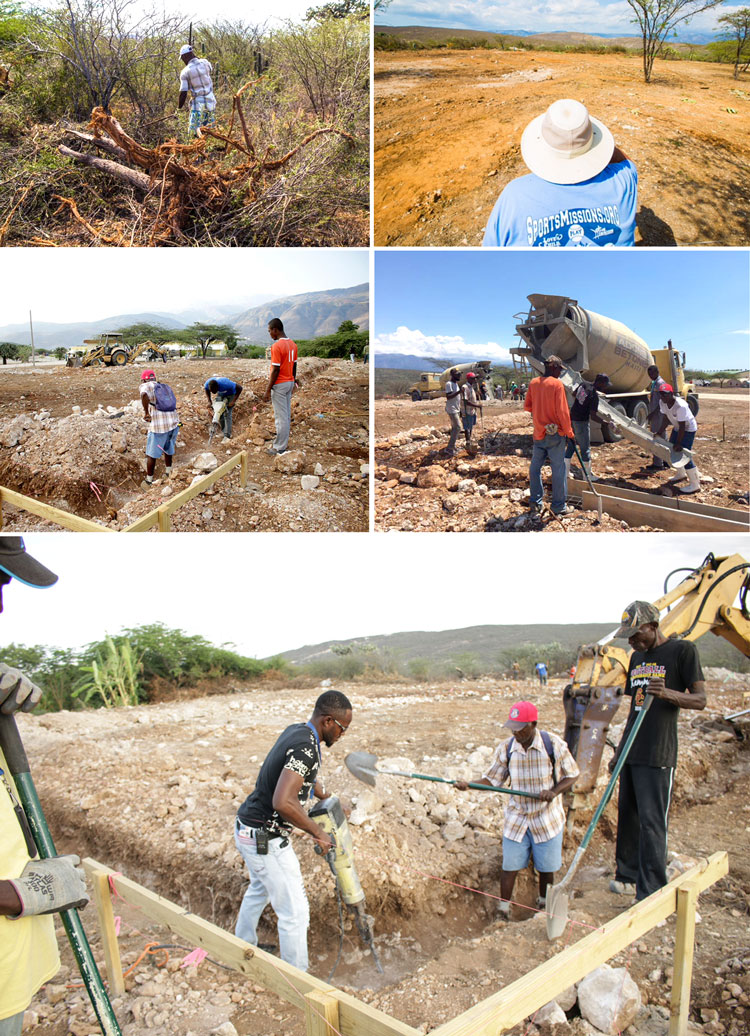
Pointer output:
x,y
76,284
595,16
453,303
277,593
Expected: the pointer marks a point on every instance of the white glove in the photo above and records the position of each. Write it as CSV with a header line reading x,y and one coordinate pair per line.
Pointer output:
x,y
48,886
17,692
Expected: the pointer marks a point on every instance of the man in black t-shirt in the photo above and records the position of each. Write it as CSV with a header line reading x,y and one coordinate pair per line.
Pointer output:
x,y
288,779
583,410
670,671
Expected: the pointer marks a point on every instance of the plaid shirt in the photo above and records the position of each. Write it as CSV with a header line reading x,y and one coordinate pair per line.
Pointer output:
x,y
161,420
531,770
196,77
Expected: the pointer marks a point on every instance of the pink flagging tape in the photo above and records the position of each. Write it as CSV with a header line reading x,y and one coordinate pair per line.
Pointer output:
x,y
118,922
196,957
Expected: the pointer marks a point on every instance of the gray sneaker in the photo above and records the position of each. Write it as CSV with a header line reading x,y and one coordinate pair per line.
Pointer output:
x,y
622,888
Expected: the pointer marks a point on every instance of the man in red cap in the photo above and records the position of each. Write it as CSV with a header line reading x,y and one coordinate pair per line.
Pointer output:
x,y
469,406
538,762
160,410
31,890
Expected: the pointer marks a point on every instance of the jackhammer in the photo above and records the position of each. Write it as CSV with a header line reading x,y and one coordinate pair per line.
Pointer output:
x,y
329,815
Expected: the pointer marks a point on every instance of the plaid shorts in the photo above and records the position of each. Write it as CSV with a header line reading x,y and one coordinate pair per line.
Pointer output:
x,y
200,117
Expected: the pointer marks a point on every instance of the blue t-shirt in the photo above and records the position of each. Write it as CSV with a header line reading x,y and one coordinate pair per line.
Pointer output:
x,y
226,387
599,212
541,668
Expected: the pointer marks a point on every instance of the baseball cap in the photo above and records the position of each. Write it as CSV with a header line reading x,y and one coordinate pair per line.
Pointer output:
x,y
471,374
666,388
15,562
521,713
635,615
187,49
146,375
553,361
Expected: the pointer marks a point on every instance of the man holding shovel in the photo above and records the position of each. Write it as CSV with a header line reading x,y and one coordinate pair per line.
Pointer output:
x,y
541,764
670,672
287,780
31,890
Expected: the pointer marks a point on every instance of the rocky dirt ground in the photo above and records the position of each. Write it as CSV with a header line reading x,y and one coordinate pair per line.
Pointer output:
x,y
152,791
419,489
75,438
448,127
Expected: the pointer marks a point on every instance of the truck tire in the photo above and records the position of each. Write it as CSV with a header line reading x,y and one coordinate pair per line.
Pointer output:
x,y
416,396
118,358
692,402
640,414
608,434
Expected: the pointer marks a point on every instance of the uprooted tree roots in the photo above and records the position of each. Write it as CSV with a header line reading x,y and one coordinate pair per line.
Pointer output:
x,y
181,185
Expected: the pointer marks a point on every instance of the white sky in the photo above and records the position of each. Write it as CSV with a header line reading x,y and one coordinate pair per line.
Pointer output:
x,y
93,283
269,593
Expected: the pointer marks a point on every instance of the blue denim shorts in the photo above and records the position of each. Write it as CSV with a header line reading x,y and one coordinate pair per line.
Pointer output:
x,y
547,856
468,421
159,443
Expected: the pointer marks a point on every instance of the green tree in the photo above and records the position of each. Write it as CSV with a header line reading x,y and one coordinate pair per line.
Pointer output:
x,y
657,19
133,334
60,352
204,335
8,351
738,32
24,353
338,9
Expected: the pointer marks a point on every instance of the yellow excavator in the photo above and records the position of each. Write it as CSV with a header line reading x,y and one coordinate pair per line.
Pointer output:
x,y
702,603
110,349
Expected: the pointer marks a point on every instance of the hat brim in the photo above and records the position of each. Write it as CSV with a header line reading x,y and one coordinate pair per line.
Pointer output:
x,y
21,566
549,165
624,632
518,724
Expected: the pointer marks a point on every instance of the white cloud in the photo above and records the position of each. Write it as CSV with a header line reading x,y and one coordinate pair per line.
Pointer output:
x,y
406,342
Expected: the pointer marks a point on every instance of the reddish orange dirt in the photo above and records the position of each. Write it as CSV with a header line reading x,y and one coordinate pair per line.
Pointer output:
x,y
448,127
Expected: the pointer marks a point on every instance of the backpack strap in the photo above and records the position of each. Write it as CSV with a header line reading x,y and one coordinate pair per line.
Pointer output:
x,y
548,747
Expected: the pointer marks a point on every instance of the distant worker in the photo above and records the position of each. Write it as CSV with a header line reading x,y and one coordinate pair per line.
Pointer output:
x,y
522,390
499,391
281,383
160,411
541,672
469,406
513,390
453,410
288,779
548,405
675,411
582,190
196,78
670,671
582,412
225,394
516,671
654,412
31,890
539,762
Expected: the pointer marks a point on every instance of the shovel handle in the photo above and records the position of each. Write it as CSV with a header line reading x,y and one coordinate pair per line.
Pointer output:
x,y
444,780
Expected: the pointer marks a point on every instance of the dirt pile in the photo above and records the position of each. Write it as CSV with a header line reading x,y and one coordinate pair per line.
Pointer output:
x,y
75,438
419,488
687,133
152,792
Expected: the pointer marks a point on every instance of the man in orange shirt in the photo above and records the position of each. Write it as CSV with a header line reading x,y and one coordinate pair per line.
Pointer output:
x,y
548,405
281,383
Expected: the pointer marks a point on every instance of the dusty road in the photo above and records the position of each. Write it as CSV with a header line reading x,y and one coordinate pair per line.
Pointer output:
x,y
410,439
448,126
152,792
92,463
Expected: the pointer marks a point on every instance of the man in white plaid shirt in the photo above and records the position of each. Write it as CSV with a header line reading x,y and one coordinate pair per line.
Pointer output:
x,y
196,78
541,764
163,428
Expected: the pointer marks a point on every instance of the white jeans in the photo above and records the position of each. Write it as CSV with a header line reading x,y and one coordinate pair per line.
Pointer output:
x,y
275,878
281,397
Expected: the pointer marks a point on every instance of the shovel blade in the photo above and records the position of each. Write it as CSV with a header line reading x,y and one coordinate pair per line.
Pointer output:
x,y
362,765
556,906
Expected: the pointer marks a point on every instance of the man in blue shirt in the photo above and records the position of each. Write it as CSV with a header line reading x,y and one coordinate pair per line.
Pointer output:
x,y
582,191
226,393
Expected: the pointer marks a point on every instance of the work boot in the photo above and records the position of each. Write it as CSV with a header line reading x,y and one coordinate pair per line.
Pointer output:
x,y
694,481
622,888
563,511
147,483
502,910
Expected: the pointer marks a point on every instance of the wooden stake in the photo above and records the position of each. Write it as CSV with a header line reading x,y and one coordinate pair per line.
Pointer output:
x,y
321,1014
684,944
106,915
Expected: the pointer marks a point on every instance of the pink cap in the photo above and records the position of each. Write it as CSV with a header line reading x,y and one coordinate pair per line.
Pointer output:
x,y
146,375
666,388
521,713
471,374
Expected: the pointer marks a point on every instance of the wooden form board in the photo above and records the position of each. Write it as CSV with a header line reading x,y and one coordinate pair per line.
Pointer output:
x,y
161,515
288,982
49,513
673,514
522,998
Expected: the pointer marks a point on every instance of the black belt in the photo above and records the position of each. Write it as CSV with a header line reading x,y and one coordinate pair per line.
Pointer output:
x,y
250,827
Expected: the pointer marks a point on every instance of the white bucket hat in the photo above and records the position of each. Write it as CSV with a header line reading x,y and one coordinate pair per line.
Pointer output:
x,y
565,145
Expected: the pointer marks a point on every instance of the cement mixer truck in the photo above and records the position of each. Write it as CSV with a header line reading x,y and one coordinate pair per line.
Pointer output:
x,y
432,385
591,344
